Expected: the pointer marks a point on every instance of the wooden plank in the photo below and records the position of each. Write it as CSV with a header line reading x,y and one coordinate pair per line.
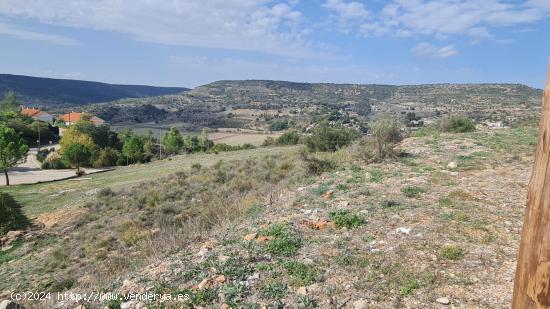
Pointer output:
x,y
532,282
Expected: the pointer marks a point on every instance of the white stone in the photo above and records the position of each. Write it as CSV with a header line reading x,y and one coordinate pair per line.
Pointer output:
x,y
443,300
452,165
404,230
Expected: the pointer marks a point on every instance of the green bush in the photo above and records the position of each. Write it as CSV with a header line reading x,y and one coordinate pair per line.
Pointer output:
x,y
279,125
344,218
11,217
288,138
327,138
106,157
457,124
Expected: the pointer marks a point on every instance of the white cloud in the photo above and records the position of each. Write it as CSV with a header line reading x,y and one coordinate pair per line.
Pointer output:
x,y
444,18
249,25
20,33
345,16
347,10
428,50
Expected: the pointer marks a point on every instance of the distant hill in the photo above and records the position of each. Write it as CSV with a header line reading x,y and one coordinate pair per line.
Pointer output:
x,y
244,102
49,92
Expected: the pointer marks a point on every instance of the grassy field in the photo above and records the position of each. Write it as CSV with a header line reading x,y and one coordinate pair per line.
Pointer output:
x,y
40,198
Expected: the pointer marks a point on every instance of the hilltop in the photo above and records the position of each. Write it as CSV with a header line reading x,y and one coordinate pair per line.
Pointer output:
x,y
50,92
255,104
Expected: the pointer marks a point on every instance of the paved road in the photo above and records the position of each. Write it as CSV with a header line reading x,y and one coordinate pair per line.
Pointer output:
x,y
30,172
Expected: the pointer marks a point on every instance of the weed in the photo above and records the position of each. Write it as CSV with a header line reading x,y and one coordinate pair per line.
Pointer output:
x,y
307,303
285,241
411,191
233,294
390,204
274,290
300,273
7,255
344,218
452,252
376,175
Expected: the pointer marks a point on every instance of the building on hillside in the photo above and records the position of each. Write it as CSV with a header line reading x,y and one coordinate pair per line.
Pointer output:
x,y
73,117
37,114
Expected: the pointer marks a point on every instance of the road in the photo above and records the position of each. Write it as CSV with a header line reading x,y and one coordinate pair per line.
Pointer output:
x,y
30,172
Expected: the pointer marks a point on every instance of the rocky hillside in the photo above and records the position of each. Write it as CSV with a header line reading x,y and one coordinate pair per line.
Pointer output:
x,y
437,226
52,93
213,104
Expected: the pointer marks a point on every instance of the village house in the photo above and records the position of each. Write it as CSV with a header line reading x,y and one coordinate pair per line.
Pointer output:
x,y
73,117
37,114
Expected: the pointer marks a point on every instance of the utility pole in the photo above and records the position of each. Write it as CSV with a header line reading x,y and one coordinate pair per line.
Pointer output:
x,y
160,144
532,282
38,129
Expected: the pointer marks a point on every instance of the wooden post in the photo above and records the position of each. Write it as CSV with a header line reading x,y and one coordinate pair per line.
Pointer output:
x,y
532,282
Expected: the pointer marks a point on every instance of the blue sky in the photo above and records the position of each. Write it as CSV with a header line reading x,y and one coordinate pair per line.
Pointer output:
x,y
193,42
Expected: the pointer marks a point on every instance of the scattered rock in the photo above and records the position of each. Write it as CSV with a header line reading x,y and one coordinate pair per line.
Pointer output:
x,y
328,195
223,258
454,174
219,279
404,230
263,238
250,236
132,305
202,252
80,307
443,300
319,225
359,304
224,306
205,284
452,165
343,204
302,290
8,304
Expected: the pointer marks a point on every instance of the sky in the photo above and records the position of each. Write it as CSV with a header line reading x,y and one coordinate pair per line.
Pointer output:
x,y
193,42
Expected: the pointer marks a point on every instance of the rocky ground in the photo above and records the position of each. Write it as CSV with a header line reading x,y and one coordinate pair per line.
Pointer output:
x,y
437,227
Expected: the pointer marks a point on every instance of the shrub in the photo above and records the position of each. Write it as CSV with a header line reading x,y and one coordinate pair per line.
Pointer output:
x,y
11,217
55,161
42,154
344,218
326,138
288,138
457,124
316,166
385,135
278,125
106,157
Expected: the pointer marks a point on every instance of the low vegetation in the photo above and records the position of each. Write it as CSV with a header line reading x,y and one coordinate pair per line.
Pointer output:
x,y
457,124
11,217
